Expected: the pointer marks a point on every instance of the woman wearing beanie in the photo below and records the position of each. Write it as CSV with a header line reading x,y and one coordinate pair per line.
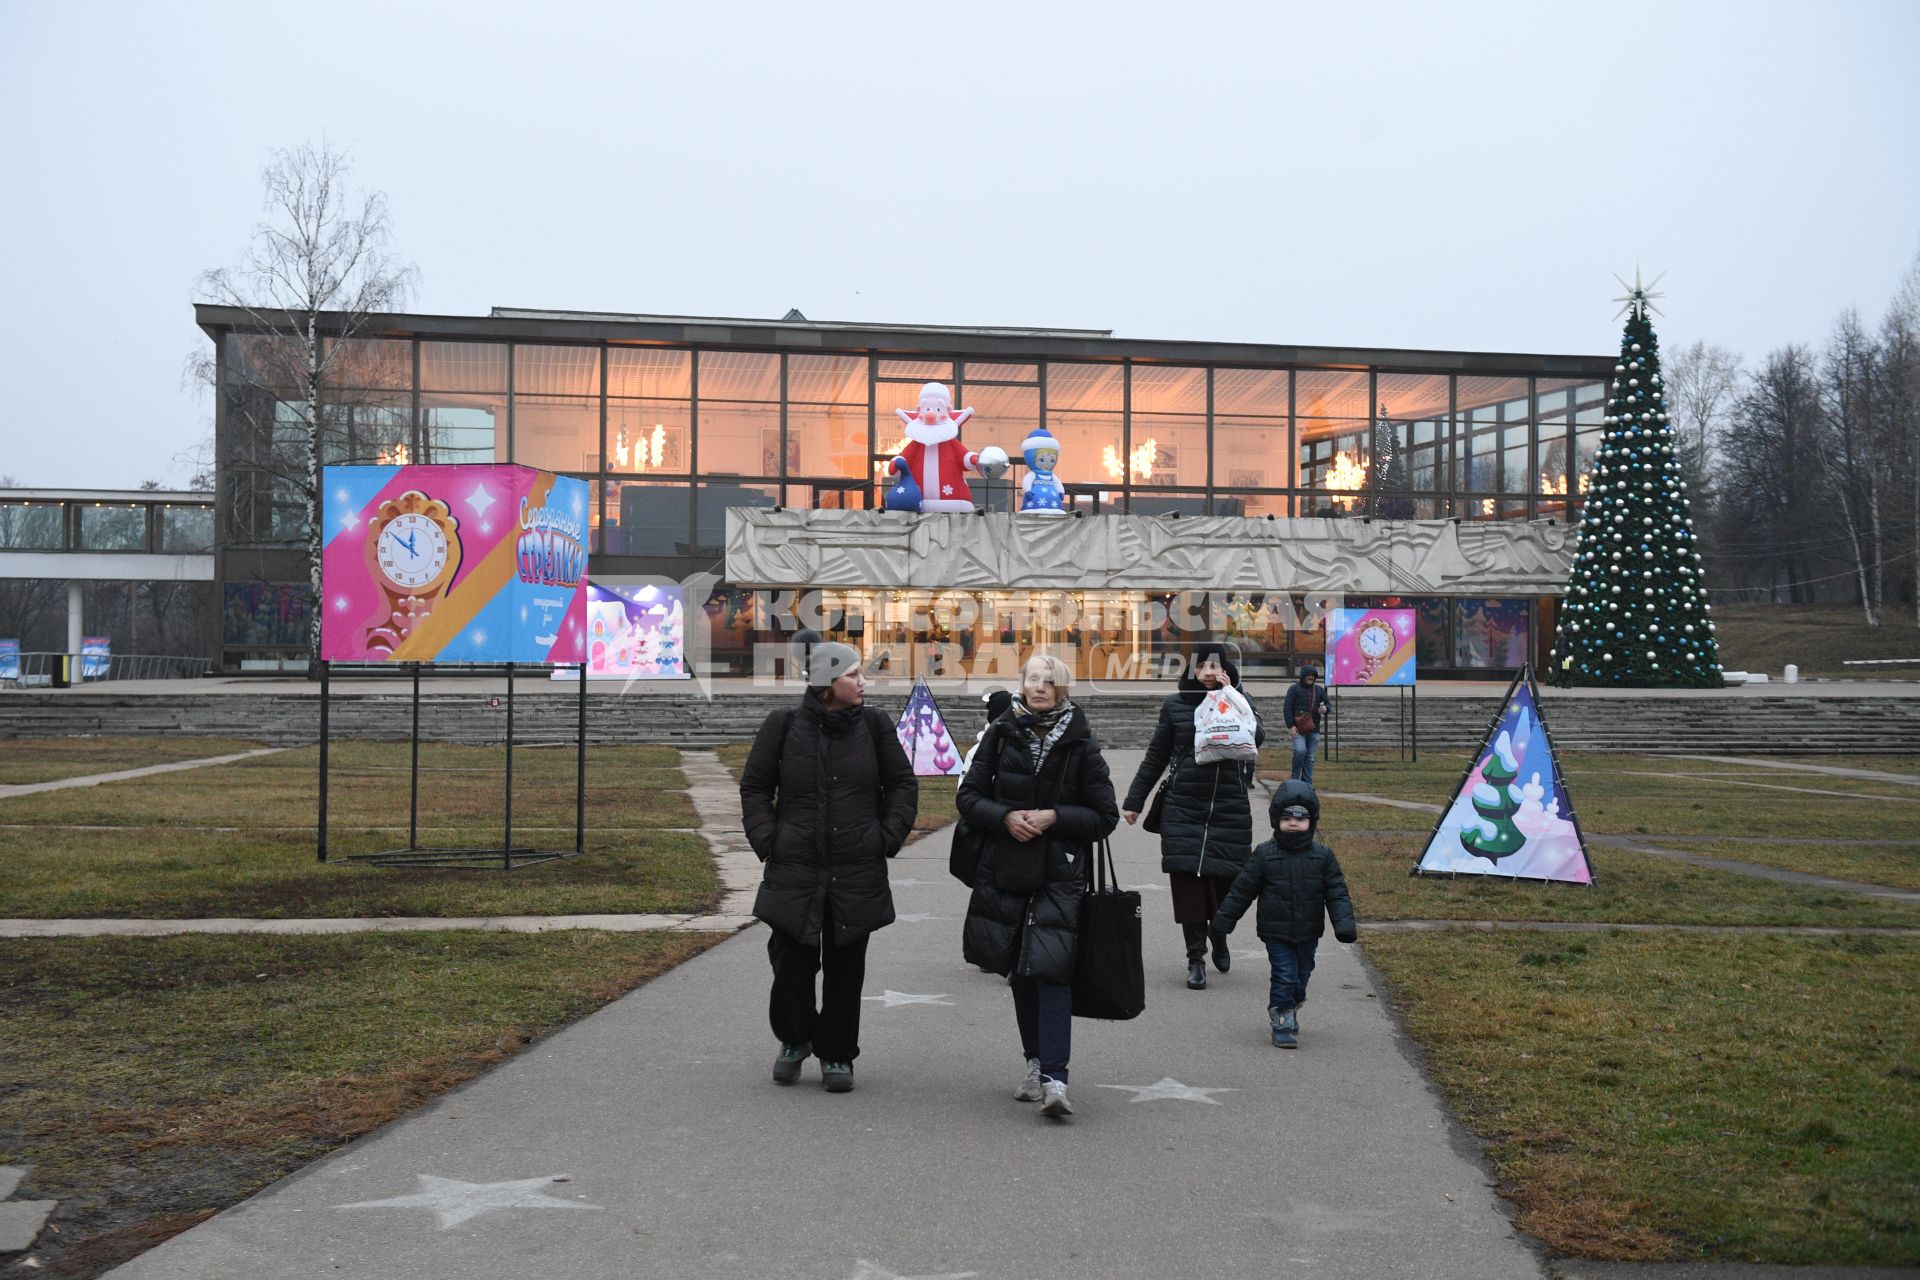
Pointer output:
x,y
827,796
1040,790
1206,822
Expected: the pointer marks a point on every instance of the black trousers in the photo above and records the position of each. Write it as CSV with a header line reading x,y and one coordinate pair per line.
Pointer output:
x,y
833,1025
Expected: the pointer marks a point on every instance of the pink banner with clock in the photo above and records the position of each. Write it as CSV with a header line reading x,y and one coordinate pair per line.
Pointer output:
x,y
450,564
1371,646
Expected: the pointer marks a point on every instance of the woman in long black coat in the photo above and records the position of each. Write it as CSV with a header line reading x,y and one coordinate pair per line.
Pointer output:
x,y
1206,826
1041,794
827,796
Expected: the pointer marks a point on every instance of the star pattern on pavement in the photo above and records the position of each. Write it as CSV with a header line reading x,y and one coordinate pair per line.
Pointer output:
x,y
456,1202
864,1270
919,917
892,999
1170,1089
1145,888
908,884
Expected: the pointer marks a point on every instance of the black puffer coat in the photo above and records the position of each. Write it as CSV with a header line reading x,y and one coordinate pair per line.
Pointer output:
x,y
826,798
1024,917
1207,826
1297,889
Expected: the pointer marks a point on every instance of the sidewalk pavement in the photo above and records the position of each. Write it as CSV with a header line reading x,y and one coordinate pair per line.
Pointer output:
x,y
647,1141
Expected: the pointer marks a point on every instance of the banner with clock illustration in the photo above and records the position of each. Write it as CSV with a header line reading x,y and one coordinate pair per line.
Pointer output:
x,y
1370,646
472,563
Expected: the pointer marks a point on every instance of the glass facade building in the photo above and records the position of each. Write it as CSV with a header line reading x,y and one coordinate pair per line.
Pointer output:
x,y
676,420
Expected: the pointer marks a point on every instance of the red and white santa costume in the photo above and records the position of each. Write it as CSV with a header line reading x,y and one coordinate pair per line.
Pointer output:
x,y
934,455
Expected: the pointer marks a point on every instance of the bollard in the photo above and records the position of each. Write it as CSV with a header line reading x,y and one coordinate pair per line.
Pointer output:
x,y
1792,674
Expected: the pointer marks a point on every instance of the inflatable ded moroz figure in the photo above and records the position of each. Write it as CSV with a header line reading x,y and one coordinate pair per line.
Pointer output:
x,y
933,467
1041,492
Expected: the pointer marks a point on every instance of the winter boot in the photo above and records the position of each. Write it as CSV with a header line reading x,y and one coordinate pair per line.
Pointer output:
x,y
1283,1025
1196,935
1222,958
786,1066
836,1077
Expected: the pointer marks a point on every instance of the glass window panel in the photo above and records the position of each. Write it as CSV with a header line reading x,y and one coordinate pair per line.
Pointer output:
x,y
1084,387
1493,399
1249,455
838,380
1491,633
1335,455
463,426
831,495
1250,393
1326,393
264,613
1407,397
557,433
385,363
1159,388
1256,505
739,375
270,361
889,398
827,440
649,373
366,433
115,528
712,502
186,530
556,371
1161,502
649,436
1590,403
30,526
647,518
980,370
1090,447
741,439
1169,449
924,370
463,366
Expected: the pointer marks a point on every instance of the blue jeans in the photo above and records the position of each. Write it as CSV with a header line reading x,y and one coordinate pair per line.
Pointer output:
x,y
1305,747
1292,965
1044,1011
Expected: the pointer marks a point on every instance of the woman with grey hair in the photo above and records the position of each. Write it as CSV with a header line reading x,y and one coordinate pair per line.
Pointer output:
x,y
1041,793
826,797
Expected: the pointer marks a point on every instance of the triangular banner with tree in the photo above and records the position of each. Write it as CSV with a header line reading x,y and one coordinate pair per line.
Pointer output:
x,y
924,737
1510,815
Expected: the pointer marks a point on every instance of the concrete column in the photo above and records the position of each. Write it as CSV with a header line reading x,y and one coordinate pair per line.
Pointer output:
x,y
75,626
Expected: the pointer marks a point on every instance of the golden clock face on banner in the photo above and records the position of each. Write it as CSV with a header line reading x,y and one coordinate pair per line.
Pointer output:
x,y
412,551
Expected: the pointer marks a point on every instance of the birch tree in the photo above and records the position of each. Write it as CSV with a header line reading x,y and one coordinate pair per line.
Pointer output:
x,y
1848,451
311,281
1702,382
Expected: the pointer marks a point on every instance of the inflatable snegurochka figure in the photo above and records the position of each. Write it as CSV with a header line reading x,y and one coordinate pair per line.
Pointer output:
x,y
933,467
1041,492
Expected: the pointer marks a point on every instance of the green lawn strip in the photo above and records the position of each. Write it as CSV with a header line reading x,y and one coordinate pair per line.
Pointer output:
x,y
1667,1097
152,1082
24,760
192,874
1630,888
1816,638
368,784
936,794
1897,866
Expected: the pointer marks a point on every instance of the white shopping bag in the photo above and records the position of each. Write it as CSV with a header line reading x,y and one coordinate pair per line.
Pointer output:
x,y
1223,727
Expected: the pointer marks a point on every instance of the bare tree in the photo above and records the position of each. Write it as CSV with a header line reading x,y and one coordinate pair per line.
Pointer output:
x,y
1702,383
1900,393
1849,451
1768,460
314,277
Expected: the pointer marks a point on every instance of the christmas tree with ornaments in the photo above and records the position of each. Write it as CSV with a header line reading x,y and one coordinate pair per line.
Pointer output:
x,y
1636,612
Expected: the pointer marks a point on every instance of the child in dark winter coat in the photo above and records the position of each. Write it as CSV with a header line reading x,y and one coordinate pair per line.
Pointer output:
x,y
1298,884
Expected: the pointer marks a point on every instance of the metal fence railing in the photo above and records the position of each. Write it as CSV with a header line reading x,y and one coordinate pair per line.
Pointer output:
x,y
43,670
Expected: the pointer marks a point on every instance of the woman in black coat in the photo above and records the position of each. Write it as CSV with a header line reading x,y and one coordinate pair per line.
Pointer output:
x,y
1040,792
1206,825
827,796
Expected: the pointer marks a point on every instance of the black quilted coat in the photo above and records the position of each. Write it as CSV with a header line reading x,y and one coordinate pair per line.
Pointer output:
x,y
1024,917
1207,826
1296,889
826,798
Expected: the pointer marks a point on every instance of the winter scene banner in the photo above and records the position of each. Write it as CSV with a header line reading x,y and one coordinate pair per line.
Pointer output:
x,y
636,632
924,737
475,563
1371,646
1511,816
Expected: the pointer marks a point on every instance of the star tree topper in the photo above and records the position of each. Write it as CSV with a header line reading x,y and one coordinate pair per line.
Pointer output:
x,y
1638,297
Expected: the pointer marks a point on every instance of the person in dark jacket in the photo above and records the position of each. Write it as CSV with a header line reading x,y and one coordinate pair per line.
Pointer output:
x,y
1206,824
1308,698
1041,791
827,796
1298,884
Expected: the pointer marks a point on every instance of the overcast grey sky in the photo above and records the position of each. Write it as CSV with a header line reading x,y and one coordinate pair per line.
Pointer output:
x,y
1461,176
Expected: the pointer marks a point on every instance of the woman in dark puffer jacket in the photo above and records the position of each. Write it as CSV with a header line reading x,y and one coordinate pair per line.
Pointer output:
x,y
827,796
1040,791
1206,828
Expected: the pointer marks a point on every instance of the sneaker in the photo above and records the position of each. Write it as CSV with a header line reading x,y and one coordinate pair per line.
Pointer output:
x,y
1030,1089
1056,1094
1222,958
1197,975
837,1076
786,1065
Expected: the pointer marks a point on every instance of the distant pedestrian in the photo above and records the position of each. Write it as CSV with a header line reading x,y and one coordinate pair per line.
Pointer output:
x,y
1206,819
827,796
1305,712
996,702
1298,884
1040,791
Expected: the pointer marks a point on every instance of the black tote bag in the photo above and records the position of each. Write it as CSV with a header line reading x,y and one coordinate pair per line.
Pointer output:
x,y
1109,969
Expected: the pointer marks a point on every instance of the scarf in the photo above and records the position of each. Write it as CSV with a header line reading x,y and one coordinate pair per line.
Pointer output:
x,y
1043,728
1294,841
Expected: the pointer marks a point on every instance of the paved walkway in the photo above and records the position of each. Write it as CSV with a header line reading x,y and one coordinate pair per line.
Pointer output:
x,y
145,771
646,1140
1802,766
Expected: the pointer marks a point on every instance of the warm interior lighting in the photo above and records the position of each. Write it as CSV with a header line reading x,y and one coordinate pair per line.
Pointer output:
x,y
1139,461
1346,472
1558,484
396,457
